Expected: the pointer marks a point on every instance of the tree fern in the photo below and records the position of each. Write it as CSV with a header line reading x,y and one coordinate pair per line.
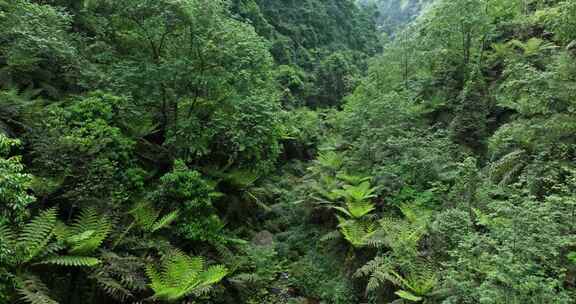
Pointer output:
x,y
357,200
358,193
35,244
181,275
418,283
329,161
86,233
354,180
357,232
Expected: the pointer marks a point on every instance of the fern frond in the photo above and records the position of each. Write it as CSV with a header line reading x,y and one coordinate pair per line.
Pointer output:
x,y
51,249
37,234
353,179
34,291
359,209
330,236
119,275
164,221
505,169
72,261
378,271
145,215
91,229
357,232
113,288
213,274
181,275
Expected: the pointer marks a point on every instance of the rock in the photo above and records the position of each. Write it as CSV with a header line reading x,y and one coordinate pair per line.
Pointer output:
x,y
263,238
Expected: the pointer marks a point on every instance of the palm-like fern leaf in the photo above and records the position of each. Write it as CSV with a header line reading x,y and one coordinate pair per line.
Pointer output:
x,y
164,221
148,218
182,275
357,232
91,229
358,193
507,168
72,261
378,272
352,179
37,234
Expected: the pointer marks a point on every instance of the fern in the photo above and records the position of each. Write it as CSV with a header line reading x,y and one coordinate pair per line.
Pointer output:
x,y
181,276
72,261
330,236
164,221
533,46
352,179
87,232
358,193
36,244
507,168
419,282
378,273
357,200
148,218
7,243
33,290
120,276
36,235
357,232
328,161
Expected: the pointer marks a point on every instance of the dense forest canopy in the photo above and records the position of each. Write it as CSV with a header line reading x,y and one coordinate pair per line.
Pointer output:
x,y
392,15
290,152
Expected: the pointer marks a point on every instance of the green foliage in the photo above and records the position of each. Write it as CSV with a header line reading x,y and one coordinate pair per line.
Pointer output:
x,y
259,270
518,260
14,183
187,192
36,49
149,219
35,244
87,232
81,142
181,276
441,172
320,277
357,232
393,15
326,44
121,277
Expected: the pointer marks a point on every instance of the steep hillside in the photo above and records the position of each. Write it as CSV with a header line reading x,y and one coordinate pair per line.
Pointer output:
x,y
274,152
392,15
321,45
